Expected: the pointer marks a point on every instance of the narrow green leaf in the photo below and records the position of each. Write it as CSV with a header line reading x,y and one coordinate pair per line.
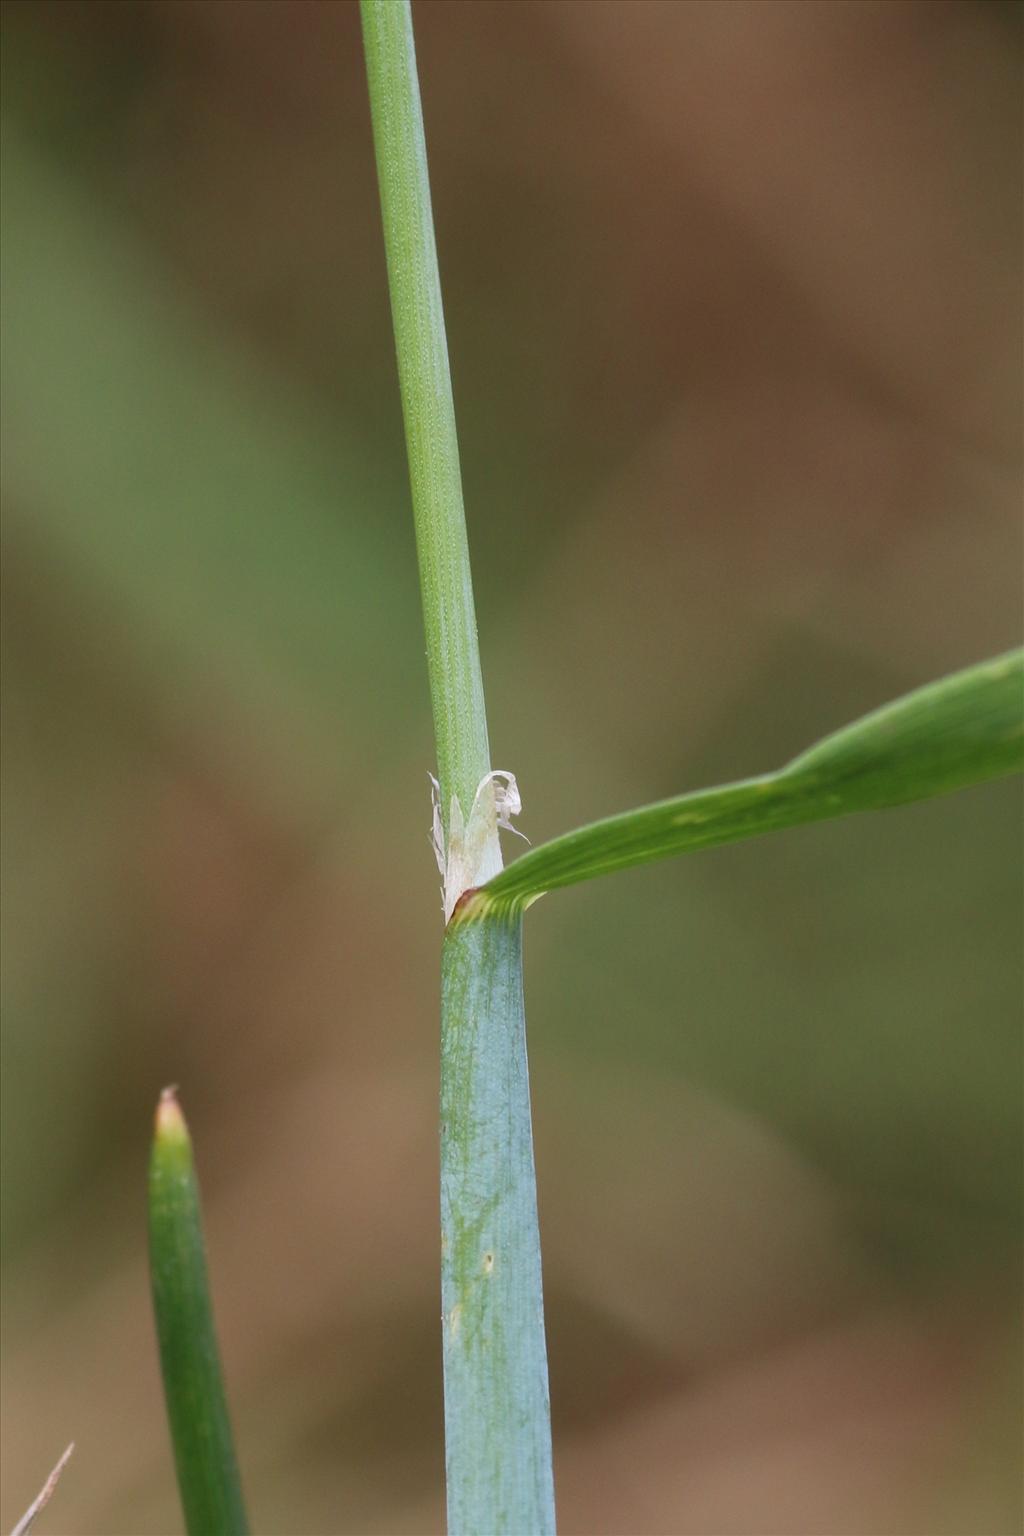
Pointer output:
x,y
959,731
211,1493
497,1416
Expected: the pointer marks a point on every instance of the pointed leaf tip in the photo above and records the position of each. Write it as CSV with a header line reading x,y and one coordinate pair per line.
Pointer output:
x,y
170,1122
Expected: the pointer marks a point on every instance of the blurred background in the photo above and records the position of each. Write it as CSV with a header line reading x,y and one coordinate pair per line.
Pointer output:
x,y
733,296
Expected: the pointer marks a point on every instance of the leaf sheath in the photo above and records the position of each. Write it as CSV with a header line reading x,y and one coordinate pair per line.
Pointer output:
x,y
497,1416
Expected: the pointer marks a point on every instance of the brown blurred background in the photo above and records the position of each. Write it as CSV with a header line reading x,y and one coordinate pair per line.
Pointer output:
x,y
733,297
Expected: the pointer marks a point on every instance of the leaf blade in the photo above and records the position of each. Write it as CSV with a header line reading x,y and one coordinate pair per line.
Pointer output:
x,y
204,1453
959,731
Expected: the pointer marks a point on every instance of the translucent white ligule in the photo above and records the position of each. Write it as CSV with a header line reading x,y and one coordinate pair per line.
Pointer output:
x,y
472,854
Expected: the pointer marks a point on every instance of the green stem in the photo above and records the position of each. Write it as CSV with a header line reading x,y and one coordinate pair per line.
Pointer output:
x,y
497,1421
449,619
211,1493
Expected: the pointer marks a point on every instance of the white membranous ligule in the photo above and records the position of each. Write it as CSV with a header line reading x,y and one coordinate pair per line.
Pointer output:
x,y
471,855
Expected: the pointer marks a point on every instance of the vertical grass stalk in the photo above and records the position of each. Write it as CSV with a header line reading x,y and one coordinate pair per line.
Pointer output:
x,y
449,618
497,1420
204,1454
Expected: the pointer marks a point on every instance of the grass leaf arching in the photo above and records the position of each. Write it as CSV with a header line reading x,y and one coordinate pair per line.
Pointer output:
x,y
962,730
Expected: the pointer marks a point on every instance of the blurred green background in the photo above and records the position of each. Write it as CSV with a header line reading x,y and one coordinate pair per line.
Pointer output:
x,y
733,297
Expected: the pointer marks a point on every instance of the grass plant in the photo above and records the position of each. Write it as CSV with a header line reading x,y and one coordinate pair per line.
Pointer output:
x,y
497,1421
958,731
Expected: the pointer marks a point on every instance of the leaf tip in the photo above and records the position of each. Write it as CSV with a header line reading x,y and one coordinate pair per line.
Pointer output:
x,y
169,1121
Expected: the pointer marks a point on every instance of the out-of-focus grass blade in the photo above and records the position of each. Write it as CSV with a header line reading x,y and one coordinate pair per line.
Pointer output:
x,y
966,728
188,497
208,1480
